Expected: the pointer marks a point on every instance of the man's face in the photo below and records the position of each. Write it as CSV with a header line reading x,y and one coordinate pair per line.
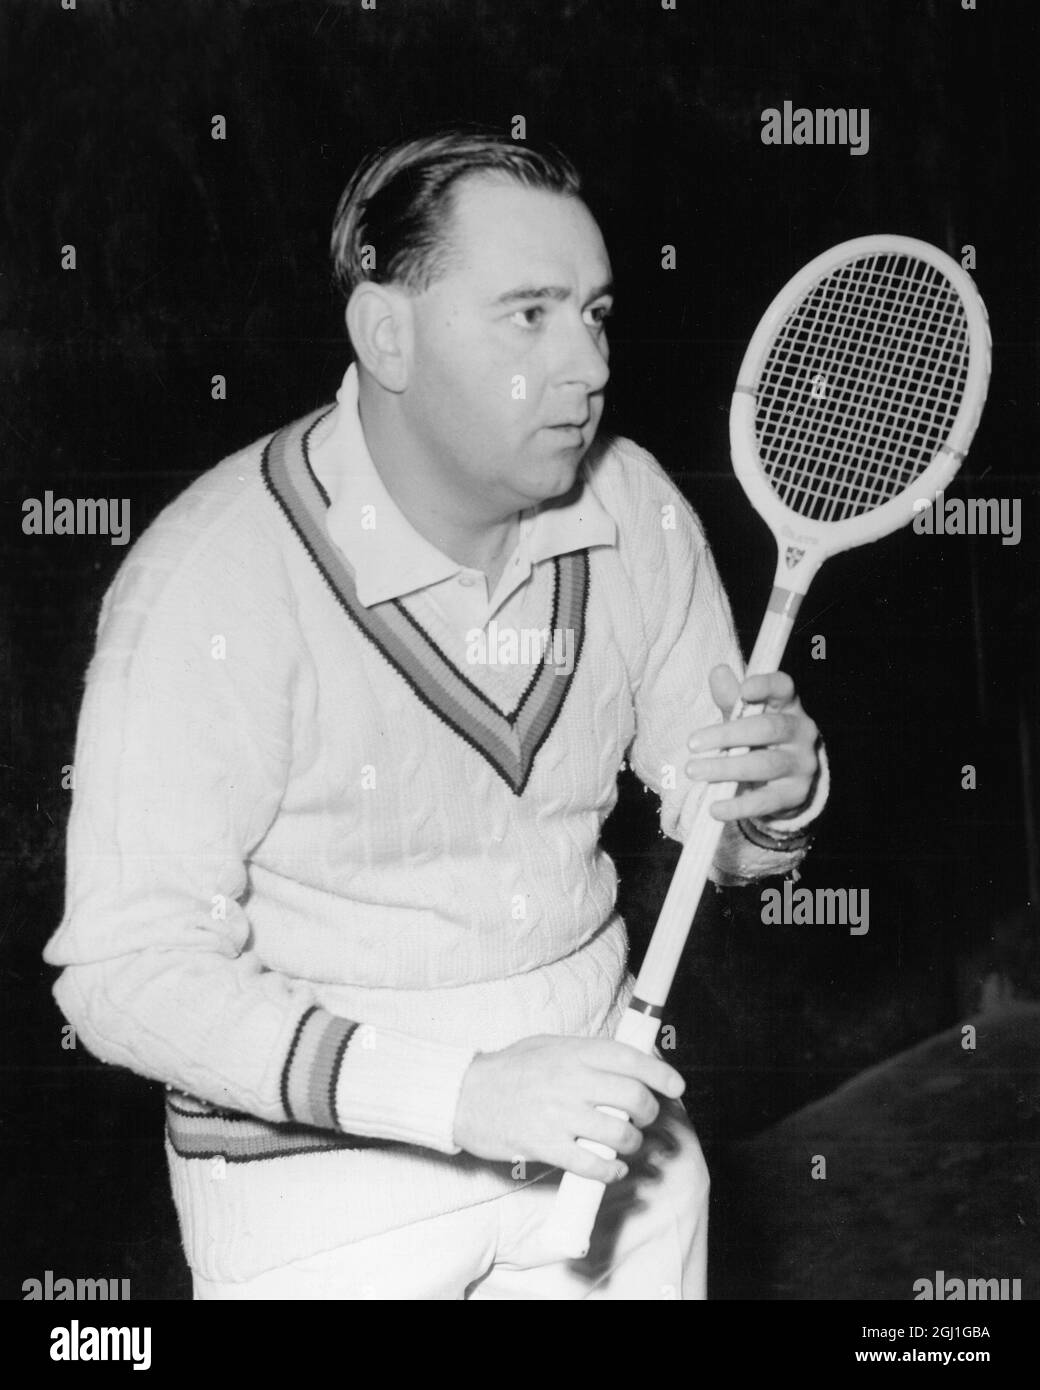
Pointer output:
x,y
509,363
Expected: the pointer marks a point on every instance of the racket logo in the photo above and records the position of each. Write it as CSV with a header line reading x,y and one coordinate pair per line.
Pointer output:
x,y
792,555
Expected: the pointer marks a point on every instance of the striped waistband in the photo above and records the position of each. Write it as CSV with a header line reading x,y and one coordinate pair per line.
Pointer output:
x,y
198,1129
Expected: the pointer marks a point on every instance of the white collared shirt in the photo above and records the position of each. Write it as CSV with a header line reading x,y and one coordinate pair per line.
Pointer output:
x,y
391,559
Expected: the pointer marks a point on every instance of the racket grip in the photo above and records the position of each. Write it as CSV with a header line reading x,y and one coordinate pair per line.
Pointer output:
x,y
578,1199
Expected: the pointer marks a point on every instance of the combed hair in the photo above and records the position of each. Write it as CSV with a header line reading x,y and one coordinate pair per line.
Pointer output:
x,y
398,201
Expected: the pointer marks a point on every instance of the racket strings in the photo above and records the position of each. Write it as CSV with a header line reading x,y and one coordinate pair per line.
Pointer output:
x,y
861,386
845,304
858,412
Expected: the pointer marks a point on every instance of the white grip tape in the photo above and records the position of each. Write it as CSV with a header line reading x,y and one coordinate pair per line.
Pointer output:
x,y
578,1199
569,1228
639,1030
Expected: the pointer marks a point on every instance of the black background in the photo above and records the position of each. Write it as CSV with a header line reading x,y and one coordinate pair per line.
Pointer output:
x,y
197,257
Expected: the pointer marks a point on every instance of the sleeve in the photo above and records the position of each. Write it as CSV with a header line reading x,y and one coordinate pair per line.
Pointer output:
x,y
688,629
182,760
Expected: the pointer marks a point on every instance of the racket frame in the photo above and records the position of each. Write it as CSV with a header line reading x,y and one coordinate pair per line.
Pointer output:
x,y
802,545
817,540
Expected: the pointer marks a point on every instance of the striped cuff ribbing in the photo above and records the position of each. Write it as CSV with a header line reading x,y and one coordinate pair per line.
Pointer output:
x,y
312,1068
373,1082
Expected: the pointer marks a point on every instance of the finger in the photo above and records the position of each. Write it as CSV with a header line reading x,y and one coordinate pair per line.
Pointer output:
x,y
619,1135
577,1159
775,690
756,731
761,765
625,1093
724,687
774,800
629,1061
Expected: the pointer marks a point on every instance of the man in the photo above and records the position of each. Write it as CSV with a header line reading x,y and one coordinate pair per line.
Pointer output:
x,y
335,878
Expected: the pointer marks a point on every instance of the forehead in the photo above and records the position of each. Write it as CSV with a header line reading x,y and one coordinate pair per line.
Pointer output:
x,y
502,231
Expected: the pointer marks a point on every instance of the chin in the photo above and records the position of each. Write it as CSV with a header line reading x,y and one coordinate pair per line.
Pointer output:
x,y
566,480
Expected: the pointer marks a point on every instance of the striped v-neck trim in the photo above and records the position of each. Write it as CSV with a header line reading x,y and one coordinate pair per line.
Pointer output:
x,y
509,742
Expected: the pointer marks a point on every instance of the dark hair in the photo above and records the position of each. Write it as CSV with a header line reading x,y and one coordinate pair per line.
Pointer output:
x,y
398,201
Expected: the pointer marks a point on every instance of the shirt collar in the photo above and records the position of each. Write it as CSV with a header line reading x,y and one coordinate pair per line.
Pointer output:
x,y
388,556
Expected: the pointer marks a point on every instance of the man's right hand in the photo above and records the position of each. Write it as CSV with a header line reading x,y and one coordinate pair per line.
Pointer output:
x,y
535,1099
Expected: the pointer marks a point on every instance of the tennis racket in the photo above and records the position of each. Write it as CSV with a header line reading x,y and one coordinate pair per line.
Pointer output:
x,y
855,404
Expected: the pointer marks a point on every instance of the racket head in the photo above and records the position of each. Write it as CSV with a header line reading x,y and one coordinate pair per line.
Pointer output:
x,y
858,396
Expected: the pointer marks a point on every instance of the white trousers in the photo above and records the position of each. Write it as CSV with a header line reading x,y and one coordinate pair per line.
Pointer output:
x,y
650,1242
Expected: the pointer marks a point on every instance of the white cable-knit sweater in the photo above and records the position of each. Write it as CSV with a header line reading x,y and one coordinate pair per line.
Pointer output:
x,y
317,858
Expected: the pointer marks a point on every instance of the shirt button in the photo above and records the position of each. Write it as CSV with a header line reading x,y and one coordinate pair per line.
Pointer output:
x,y
467,581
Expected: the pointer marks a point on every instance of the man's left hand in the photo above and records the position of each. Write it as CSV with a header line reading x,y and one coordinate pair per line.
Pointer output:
x,y
780,766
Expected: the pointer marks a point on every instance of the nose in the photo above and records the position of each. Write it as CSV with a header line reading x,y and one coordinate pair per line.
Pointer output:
x,y
584,356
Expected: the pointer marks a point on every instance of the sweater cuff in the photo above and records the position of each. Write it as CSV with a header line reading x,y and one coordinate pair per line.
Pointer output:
x,y
396,1086
374,1082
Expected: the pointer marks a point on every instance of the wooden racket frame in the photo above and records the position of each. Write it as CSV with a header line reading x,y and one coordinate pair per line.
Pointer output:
x,y
802,547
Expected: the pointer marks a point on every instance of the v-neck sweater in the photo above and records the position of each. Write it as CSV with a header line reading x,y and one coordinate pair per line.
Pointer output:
x,y
317,860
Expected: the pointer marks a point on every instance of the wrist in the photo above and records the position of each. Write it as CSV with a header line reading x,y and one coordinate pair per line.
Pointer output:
x,y
759,832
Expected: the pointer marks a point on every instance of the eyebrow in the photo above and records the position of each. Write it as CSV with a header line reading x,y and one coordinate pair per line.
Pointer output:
x,y
557,292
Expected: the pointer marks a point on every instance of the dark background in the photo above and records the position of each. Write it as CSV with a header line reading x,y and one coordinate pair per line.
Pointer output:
x,y
198,257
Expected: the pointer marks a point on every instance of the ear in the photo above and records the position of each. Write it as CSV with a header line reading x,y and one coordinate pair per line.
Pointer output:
x,y
379,321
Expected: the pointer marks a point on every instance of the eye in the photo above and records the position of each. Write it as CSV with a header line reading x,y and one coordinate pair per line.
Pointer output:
x,y
598,314
530,317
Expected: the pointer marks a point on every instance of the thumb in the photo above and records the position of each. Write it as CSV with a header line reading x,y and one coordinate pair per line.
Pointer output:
x,y
725,689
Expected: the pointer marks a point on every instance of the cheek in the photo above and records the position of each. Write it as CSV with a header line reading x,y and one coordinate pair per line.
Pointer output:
x,y
494,397
468,405
480,391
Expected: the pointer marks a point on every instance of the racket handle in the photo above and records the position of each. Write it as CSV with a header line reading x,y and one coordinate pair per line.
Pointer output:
x,y
578,1199
775,630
